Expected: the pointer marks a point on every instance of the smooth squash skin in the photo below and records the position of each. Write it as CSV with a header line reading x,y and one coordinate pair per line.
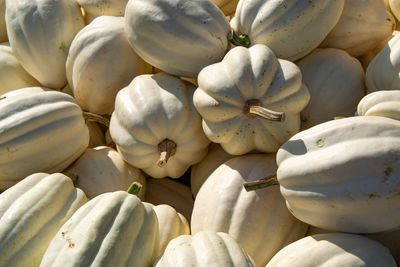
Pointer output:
x,y
258,220
40,33
12,75
291,28
204,249
112,229
95,71
385,103
363,24
156,127
334,249
40,131
179,37
31,213
236,96
339,174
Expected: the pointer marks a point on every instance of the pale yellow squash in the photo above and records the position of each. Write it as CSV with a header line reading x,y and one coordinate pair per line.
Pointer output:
x,y
31,213
40,33
258,220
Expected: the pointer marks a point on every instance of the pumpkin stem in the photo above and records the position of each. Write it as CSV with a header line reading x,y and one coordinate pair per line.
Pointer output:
x,y
261,183
96,118
135,188
253,108
167,149
240,40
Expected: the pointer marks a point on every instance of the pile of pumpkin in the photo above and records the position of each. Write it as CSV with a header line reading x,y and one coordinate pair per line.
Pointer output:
x,y
278,122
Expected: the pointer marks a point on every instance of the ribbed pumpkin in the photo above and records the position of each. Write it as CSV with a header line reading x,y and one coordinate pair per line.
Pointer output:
x,y
251,100
335,81
40,131
177,36
385,103
362,26
258,220
383,71
31,213
40,33
112,229
291,28
94,71
12,74
204,249
156,127
340,174
333,250
101,169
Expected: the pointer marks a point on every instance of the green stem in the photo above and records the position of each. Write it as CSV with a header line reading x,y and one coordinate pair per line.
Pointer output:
x,y
240,40
135,188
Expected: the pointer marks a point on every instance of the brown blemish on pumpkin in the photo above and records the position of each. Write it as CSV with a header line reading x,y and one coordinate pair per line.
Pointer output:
x,y
69,241
388,171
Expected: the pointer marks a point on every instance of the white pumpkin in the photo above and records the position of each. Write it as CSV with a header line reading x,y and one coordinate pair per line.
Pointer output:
x,y
12,74
31,213
95,71
172,193
385,103
112,229
101,169
291,28
3,29
199,172
177,36
333,250
258,220
171,224
335,81
204,249
40,131
362,26
340,174
240,98
227,6
97,8
383,71
40,33
156,127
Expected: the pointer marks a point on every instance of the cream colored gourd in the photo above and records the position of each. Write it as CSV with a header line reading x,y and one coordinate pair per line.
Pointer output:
x,y
112,229
291,28
383,71
177,36
258,220
40,33
171,224
338,186
97,8
362,26
385,103
204,249
333,250
101,169
236,95
335,81
95,71
3,29
172,193
96,135
31,213
394,7
40,131
156,127
199,172
228,7
12,74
